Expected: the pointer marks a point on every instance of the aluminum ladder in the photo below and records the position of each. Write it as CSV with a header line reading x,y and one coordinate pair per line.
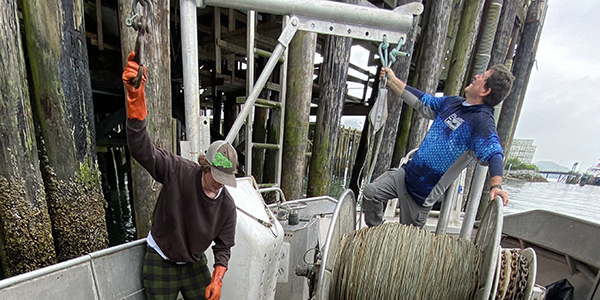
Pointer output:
x,y
280,105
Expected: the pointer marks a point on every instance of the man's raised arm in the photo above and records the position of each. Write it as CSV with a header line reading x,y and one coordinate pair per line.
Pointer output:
x,y
406,95
393,82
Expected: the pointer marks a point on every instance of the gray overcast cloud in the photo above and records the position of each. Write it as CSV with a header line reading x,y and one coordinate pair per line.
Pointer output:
x,y
561,111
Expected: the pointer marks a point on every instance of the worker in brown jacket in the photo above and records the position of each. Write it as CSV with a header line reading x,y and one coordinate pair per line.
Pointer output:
x,y
192,211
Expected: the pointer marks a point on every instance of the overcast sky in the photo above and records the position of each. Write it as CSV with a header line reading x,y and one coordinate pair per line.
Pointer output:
x,y
561,111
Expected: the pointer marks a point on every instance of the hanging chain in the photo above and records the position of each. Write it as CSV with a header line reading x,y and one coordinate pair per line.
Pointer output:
x,y
524,274
513,274
504,264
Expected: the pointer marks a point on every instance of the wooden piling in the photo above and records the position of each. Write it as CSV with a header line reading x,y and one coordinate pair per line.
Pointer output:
x,y
360,158
463,46
297,111
346,154
217,107
337,160
25,230
332,96
230,112
57,51
521,68
402,135
118,213
259,128
273,136
259,135
543,8
158,100
356,134
453,25
431,61
504,31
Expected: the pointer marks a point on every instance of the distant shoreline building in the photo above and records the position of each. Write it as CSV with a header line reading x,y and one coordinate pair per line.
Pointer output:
x,y
523,150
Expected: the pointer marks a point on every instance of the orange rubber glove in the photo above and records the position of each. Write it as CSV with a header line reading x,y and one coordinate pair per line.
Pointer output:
x,y
213,290
136,98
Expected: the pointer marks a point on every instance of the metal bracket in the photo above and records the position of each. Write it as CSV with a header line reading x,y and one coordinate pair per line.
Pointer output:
x,y
348,30
289,31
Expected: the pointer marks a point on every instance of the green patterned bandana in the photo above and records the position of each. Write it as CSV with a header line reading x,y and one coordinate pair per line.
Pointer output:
x,y
221,161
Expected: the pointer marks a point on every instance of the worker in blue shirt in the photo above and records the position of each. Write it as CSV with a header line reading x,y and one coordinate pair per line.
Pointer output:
x,y
463,129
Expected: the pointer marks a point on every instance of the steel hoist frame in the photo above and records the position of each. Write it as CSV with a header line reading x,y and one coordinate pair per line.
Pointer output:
x,y
320,16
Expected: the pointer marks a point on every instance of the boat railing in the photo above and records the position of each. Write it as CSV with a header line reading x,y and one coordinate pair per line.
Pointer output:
x,y
109,274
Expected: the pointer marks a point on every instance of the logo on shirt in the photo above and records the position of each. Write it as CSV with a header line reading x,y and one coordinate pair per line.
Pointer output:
x,y
453,121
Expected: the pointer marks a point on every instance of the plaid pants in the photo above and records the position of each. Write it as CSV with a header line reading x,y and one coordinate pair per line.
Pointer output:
x,y
163,279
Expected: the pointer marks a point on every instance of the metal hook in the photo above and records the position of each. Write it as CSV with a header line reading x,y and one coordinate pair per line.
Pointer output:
x,y
140,21
135,20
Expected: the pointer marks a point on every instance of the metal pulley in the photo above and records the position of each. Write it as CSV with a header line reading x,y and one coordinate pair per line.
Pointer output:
x,y
140,22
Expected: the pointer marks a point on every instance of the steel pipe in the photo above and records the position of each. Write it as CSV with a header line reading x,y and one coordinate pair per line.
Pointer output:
x,y
446,209
250,32
191,81
473,202
398,20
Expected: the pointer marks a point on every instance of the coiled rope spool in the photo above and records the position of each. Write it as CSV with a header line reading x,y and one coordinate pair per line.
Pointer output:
x,y
394,261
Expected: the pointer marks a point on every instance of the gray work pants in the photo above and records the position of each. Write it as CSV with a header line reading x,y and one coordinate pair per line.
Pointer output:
x,y
391,185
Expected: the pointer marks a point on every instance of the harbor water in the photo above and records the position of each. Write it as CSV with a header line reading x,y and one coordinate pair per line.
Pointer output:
x,y
581,202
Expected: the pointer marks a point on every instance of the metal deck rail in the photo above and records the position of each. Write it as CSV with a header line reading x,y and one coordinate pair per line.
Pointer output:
x,y
109,274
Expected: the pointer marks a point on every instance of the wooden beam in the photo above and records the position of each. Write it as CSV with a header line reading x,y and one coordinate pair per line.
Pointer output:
x,y
111,122
99,24
353,78
230,47
360,69
111,142
240,35
94,41
350,109
217,38
205,29
233,14
212,82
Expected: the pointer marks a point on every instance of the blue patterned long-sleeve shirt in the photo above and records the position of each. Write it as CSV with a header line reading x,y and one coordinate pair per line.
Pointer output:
x,y
459,133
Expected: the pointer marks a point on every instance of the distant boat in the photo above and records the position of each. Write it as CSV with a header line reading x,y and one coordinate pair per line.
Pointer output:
x,y
594,174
